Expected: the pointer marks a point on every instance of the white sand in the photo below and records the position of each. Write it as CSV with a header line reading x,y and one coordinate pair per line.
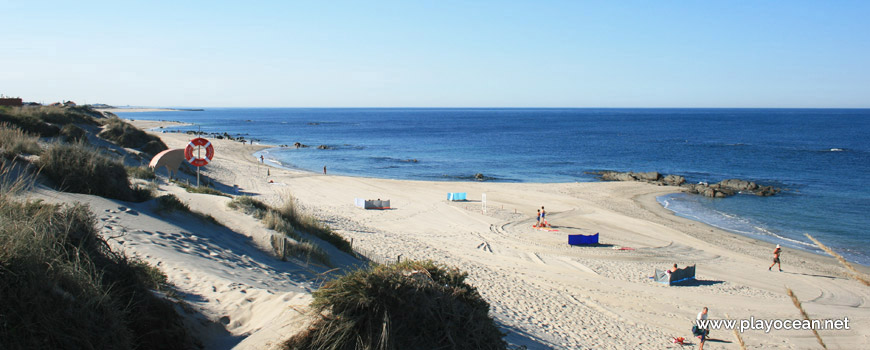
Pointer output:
x,y
544,293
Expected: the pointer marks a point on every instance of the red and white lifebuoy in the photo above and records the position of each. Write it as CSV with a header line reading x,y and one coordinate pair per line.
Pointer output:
x,y
191,147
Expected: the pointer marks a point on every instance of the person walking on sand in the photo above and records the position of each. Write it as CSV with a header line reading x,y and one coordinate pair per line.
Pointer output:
x,y
700,330
324,170
538,218
776,253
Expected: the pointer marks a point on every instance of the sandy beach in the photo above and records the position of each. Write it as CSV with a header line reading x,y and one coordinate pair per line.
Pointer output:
x,y
544,293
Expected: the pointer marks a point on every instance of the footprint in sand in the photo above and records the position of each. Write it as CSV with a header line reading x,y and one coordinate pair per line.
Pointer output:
x,y
128,210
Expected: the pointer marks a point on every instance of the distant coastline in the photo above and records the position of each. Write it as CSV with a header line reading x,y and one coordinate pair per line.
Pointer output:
x,y
147,109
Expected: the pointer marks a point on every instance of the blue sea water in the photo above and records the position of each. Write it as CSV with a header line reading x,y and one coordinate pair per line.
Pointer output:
x,y
821,156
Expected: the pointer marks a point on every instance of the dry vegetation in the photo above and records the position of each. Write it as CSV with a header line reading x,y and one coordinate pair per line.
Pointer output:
x,y
125,135
15,142
63,287
407,305
81,169
282,220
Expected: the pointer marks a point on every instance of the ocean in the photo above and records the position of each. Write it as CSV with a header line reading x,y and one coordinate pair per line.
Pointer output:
x,y
821,156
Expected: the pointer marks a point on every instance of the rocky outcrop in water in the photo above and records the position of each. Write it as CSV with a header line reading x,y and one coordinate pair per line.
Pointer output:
x,y
724,188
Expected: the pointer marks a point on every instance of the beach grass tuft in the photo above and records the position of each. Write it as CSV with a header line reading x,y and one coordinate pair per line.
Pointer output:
x,y
309,224
47,121
14,142
63,287
141,172
799,306
854,273
126,135
369,309
737,335
72,134
169,203
204,189
276,220
249,205
81,169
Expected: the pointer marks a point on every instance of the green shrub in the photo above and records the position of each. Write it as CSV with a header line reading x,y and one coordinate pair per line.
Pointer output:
x,y
63,287
409,305
81,169
14,141
126,135
73,134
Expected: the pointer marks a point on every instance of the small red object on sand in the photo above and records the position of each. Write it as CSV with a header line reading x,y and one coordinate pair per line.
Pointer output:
x,y
679,340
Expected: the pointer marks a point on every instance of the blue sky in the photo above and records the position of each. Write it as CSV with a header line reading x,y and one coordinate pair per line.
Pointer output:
x,y
439,53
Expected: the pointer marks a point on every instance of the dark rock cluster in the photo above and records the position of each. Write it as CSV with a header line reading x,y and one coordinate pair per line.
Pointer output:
x,y
724,188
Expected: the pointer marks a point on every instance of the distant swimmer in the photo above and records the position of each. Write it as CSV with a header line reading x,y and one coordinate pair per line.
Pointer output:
x,y
776,253
324,170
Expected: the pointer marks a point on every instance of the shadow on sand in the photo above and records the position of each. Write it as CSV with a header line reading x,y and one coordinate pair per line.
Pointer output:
x,y
698,283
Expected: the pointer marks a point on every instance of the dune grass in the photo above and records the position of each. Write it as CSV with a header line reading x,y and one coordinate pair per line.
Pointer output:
x,y
62,286
81,169
737,335
799,306
249,205
850,270
125,135
407,305
141,172
275,220
203,188
14,142
169,203
309,224
72,134
47,121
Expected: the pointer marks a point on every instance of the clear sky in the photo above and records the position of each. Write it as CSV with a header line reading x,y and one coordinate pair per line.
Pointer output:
x,y
438,53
